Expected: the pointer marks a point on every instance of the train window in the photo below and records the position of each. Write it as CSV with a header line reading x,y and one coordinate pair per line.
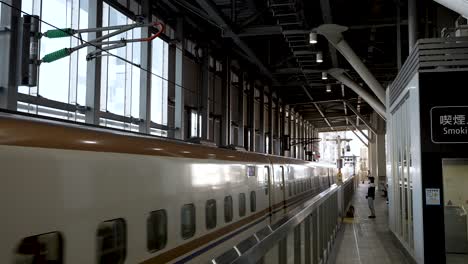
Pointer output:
x,y
253,201
112,241
228,213
188,221
266,180
227,257
210,213
45,248
242,204
156,230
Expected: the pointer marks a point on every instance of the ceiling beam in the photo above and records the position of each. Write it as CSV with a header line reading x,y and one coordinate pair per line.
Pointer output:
x,y
310,117
295,71
357,27
337,127
299,83
358,129
255,31
269,30
363,142
356,112
213,12
318,107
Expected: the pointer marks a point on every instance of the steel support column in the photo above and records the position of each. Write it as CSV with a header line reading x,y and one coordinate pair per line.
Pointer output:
x,y
282,128
9,54
379,151
398,33
204,95
301,135
145,77
240,107
93,67
270,123
277,135
251,116
179,111
261,129
412,23
290,130
226,103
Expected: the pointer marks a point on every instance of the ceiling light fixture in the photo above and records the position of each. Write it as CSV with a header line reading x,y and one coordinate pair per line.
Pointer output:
x,y
319,57
324,76
312,37
328,88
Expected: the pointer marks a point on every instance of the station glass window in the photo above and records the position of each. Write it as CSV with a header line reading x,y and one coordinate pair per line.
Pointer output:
x,y
228,210
242,202
210,213
253,201
70,85
159,89
188,224
112,241
120,81
45,248
195,124
156,228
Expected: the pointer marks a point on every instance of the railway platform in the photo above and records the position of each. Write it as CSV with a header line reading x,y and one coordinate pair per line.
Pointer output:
x,y
361,240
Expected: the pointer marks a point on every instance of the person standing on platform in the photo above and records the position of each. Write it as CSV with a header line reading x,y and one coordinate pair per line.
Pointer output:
x,y
371,196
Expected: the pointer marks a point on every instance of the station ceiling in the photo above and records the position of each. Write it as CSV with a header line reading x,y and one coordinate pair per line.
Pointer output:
x,y
273,37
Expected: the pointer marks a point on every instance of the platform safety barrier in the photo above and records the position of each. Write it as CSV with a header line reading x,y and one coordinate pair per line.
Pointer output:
x,y
304,236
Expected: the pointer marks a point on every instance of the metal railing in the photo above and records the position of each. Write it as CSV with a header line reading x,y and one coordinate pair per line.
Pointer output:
x,y
314,224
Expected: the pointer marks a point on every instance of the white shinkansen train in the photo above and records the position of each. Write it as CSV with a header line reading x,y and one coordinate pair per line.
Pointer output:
x,y
73,193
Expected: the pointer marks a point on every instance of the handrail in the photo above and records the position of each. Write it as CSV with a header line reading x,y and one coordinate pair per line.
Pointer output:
x,y
256,252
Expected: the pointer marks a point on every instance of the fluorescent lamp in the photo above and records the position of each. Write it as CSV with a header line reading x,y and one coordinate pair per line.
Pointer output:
x,y
319,57
324,76
312,38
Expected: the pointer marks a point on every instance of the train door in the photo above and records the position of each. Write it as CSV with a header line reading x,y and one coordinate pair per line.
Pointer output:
x,y
269,191
283,188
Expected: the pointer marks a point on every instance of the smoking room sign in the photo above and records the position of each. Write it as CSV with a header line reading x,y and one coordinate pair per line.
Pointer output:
x,y
449,124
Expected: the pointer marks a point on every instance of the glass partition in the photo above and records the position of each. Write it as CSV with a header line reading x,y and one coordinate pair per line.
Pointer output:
x,y
455,180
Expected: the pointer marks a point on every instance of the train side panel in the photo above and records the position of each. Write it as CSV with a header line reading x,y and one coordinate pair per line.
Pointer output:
x,y
46,190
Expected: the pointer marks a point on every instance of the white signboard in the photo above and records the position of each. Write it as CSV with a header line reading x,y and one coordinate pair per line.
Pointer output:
x,y
432,196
